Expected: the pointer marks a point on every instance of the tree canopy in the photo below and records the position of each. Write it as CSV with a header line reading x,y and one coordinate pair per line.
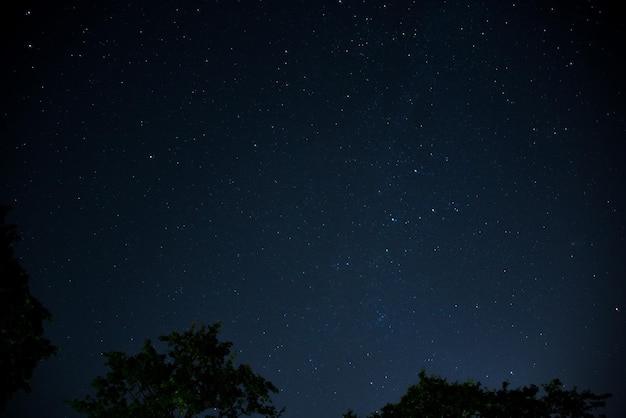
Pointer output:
x,y
434,396
22,345
196,376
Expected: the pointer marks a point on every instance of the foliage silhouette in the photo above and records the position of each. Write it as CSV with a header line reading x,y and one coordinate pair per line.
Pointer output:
x,y
22,345
433,396
196,376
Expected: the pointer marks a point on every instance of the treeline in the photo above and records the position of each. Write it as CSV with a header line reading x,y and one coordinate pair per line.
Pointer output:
x,y
197,376
434,396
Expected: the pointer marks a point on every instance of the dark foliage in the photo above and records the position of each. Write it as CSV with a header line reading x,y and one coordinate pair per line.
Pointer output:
x,y
22,345
433,396
196,376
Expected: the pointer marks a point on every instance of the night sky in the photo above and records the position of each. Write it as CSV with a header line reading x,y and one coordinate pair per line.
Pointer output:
x,y
356,189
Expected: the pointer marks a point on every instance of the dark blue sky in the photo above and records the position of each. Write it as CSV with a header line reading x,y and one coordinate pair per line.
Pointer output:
x,y
356,190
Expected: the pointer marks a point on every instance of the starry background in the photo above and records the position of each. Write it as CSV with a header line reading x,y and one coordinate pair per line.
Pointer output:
x,y
355,189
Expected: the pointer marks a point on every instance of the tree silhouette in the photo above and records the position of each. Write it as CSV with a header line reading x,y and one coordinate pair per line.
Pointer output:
x,y
22,345
433,396
197,375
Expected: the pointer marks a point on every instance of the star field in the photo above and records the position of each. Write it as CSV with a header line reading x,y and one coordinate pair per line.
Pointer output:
x,y
355,189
